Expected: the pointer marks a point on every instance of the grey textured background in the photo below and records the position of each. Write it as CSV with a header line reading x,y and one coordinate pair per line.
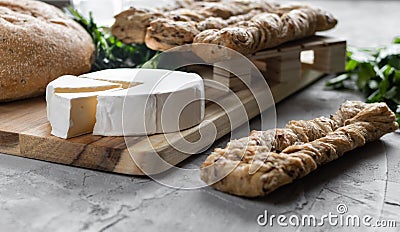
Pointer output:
x,y
40,196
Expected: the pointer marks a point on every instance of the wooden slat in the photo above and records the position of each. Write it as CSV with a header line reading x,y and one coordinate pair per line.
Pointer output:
x,y
283,63
9,143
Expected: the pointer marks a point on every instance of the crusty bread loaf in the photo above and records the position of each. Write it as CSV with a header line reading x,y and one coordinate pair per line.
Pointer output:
x,y
38,43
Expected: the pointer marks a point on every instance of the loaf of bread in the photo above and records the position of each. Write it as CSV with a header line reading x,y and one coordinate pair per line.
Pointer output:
x,y
38,43
246,167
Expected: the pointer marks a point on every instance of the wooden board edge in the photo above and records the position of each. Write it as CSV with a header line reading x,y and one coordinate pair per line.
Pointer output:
x,y
9,143
80,155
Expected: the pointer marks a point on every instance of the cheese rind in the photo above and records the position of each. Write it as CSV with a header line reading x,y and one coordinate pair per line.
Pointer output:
x,y
179,110
121,114
175,101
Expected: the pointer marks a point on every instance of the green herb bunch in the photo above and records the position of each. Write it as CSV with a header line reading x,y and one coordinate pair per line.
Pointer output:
x,y
111,52
375,72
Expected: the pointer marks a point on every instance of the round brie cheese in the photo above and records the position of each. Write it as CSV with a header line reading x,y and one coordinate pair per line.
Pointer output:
x,y
140,102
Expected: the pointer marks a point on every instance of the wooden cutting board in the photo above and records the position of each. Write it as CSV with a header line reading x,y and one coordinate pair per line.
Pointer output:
x,y
25,131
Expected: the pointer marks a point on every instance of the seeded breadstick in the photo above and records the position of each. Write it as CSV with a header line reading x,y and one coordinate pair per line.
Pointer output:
x,y
246,26
301,131
130,25
270,29
260,172
295,132
306,131
164,34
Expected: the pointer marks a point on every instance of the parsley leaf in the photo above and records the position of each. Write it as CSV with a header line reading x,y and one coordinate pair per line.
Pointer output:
x,y
375,72
111,52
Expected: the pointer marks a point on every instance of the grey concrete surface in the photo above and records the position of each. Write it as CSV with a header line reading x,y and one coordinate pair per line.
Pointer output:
x,y
40,196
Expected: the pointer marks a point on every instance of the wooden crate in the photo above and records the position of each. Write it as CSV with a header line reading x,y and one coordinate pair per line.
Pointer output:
x,y
25,131
285,63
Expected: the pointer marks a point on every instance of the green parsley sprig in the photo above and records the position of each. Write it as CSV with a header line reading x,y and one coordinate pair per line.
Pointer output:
x,y
111,52
375,72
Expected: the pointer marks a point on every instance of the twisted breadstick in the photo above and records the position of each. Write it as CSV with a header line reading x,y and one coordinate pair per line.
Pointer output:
x,y
130,25
296,132
258,172
270,29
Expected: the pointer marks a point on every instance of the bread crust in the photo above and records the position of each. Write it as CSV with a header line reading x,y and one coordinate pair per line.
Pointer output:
x,y
38,43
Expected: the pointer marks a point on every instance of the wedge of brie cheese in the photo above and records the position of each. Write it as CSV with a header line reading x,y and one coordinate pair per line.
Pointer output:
x,y
71,104
125,102
73,84
75,114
